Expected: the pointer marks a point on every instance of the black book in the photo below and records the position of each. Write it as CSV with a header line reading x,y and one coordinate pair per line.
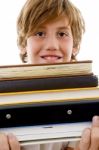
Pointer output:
x,y
48,113
48,83
47,107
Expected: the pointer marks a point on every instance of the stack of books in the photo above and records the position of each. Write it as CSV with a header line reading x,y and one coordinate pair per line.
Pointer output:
x,y
18,78
48,100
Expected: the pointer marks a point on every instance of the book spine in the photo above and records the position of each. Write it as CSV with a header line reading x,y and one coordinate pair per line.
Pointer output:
x,y
48,113
48,83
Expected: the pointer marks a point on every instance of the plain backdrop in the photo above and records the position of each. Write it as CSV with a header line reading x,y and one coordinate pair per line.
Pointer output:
x,y
9,10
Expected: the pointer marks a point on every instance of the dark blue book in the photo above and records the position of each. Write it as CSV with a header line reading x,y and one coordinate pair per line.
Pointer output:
x,y
48,83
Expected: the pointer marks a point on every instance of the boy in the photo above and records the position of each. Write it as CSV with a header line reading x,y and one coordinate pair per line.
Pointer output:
x,y
50,31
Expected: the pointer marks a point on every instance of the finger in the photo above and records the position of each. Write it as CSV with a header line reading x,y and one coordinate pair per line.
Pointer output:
x,y
77,145
95,121
84,143
94,139
95,134
13,142
69,148
4,145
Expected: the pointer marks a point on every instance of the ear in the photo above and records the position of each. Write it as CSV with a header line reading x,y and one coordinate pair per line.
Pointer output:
x,y
22,51
23,54
75,51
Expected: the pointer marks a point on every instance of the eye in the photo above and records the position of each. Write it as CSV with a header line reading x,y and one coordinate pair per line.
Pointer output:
x,y
63,34
40,34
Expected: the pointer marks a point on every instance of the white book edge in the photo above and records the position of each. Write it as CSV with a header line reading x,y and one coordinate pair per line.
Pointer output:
x,y
49,96
47,133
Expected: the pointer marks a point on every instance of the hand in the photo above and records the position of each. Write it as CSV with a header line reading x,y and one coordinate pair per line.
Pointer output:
x,y
90,137
69,148
8,142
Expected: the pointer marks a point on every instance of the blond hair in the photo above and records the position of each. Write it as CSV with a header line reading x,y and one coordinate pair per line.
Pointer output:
x,y
36,12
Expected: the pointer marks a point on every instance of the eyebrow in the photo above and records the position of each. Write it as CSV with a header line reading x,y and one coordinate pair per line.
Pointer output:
x,y
64,28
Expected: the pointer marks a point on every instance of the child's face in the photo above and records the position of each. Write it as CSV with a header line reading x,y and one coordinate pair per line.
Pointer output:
x,y
51,43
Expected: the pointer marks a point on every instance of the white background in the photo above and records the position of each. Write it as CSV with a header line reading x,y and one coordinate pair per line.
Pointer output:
x,y
9,10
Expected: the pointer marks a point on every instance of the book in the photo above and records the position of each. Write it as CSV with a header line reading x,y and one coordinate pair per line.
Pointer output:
x,y
45,70
47,134
50,106
48,83
42,96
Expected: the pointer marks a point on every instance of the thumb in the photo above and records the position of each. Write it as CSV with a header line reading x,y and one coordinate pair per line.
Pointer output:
x,y
85,140
95,121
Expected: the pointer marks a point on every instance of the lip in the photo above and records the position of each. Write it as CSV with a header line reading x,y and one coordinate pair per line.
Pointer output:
x,y
48,56
51,58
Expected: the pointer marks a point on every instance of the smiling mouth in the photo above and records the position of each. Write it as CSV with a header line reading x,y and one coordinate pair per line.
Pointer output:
x,y
51,57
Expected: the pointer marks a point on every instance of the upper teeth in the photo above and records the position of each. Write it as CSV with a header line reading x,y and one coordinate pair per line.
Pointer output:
x,y
51,57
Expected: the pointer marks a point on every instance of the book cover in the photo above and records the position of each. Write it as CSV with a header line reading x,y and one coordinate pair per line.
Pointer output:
x,y
48,113
48,83
45,108
45,70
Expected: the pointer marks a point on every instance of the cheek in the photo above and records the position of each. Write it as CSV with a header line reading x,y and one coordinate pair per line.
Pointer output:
x,y
67,48
32,47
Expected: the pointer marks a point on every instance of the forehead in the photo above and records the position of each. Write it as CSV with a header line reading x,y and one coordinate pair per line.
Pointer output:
x,y
57,23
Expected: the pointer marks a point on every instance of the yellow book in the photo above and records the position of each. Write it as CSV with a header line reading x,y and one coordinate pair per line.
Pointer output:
x,y
49,96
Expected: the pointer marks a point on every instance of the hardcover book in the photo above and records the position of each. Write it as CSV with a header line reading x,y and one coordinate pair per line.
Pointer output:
x,y
48,96
48,113
28,135
48,83
50,107
46,70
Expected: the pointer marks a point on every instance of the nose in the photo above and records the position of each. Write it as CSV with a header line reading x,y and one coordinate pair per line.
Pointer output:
x,y
51,43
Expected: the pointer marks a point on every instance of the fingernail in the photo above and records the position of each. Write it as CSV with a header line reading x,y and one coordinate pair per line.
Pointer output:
x,y
95,120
